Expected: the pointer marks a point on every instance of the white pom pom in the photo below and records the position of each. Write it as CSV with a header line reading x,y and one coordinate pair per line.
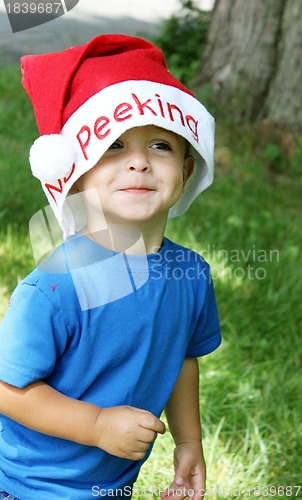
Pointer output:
x,y
51,157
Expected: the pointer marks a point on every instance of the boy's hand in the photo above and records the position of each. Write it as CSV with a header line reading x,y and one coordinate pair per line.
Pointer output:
x,y
126,432
190,473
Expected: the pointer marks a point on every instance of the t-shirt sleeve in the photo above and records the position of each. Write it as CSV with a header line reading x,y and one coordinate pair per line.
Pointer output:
x,y
32,337
206,335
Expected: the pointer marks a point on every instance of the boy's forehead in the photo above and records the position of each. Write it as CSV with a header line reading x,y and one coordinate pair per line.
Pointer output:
x,y
151,130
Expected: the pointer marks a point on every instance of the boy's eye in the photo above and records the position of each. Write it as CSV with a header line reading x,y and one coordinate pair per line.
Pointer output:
x,y
116,145
162,145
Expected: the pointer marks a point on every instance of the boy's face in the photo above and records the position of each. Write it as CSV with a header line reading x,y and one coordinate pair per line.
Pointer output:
x,y
139,178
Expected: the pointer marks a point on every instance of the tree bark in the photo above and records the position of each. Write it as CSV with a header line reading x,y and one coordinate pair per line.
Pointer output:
x,y
284,100
252,59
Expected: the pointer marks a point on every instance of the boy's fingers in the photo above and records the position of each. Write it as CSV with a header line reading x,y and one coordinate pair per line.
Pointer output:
x,y
147,436
174,491
153,423
158,426
182,473
161,427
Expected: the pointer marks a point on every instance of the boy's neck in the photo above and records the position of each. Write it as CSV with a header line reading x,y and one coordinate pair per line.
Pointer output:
x,y
131,239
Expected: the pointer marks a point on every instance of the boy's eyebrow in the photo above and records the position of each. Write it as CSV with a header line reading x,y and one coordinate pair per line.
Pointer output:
x,y
187,144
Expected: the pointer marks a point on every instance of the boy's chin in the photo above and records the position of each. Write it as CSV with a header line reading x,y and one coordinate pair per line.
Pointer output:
x,y
136,216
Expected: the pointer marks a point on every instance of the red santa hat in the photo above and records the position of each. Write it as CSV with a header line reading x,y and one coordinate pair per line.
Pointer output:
x,y
86,96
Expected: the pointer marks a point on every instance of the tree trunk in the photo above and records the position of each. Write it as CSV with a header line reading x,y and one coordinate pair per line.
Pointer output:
x,y
284,100
252,60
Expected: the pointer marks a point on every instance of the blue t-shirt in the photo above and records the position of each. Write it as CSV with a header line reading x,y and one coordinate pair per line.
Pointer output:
x,y
107,328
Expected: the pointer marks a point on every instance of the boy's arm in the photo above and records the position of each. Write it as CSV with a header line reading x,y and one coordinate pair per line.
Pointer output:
x,y
123,431
182,413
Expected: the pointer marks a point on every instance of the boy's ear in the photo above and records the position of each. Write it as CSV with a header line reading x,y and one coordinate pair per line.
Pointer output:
x,y
188,168
74,189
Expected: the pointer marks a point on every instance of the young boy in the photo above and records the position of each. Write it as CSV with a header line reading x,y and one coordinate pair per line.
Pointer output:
x,y
105,333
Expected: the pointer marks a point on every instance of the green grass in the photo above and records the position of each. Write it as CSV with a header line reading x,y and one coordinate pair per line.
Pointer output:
x,y
248,226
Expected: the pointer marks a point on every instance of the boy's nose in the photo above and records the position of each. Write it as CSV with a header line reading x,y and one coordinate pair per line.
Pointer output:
x,y
138,162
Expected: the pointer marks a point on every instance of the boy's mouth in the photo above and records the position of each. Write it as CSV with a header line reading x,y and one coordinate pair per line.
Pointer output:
x,y
136,190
